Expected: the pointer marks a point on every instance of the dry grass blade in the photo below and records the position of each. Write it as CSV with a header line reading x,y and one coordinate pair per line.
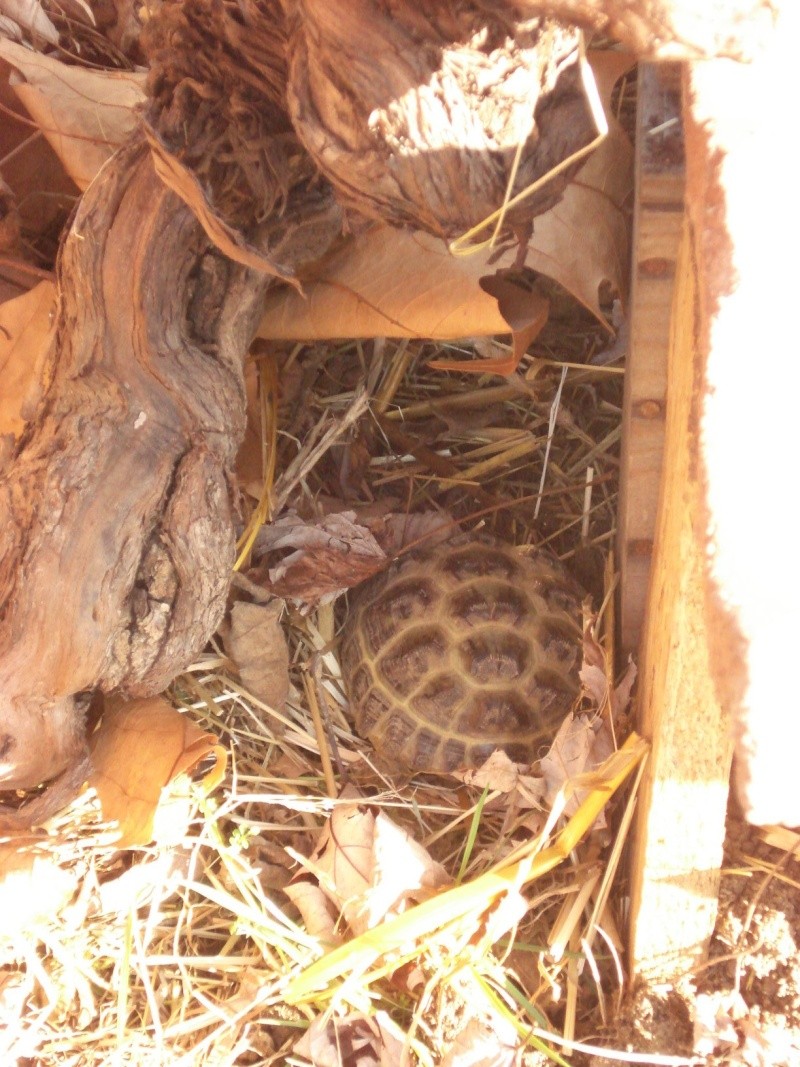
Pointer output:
x,y
466,902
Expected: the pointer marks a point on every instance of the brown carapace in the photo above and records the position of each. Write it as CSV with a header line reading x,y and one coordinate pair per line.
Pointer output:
x,y
460,649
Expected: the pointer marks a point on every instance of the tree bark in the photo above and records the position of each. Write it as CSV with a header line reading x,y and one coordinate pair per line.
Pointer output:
x,y
115,552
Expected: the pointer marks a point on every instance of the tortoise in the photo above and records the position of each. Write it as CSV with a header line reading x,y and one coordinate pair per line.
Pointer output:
x,y
462,648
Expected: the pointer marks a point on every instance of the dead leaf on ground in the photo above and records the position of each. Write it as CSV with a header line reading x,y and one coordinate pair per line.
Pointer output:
x,y
524,309
369,1041
139,749
370,868
31,17
726,1030
422,529
483,1044
519,792
330,555
256,642
581,745
498,773
594,676
34,888
84,114
26,330
43,192
319,915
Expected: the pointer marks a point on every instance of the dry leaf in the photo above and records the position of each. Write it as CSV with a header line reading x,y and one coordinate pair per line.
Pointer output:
x,y
481,1044
330,555
726,1030
621,697
26,330
316,909
525,310
84,114
30,16
403,872
498,773
370,868
581,745
368,1041
409,529
33,887
140,748
43,191
256,643
594,675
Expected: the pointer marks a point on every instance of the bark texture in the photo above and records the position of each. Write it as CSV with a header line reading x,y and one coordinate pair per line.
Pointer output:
x,y
118,536
426,115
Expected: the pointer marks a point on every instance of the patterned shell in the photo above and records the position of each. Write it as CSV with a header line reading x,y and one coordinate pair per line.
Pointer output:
x,y
465,647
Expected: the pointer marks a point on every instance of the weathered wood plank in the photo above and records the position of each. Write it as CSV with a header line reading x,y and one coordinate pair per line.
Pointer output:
x,y
657,228
681,819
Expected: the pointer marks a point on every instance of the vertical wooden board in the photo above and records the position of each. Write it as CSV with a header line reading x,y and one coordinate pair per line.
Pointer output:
x,y
657,228
681,816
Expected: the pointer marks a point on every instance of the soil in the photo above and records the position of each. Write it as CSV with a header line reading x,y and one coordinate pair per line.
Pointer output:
x,y
742,1008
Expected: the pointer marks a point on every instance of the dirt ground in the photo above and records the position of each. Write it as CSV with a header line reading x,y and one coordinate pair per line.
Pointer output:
x,y
742,1008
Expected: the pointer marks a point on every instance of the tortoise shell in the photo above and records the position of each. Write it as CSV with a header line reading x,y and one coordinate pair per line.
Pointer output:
x,y
462,648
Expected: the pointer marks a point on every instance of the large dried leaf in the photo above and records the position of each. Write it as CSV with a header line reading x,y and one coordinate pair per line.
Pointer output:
x,y
595,675
256,643
328,557
484,1043
26,330
581,745
370,868
387,282
365,1041
414,529
84,114
315,906
29,15
525,310
139,749
42,190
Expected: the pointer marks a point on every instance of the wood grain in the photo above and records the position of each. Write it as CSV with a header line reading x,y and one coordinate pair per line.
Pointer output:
x,y
658,221
681,819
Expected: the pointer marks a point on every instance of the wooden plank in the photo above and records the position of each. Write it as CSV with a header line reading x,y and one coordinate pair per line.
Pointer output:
x,y
658,216
681,816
